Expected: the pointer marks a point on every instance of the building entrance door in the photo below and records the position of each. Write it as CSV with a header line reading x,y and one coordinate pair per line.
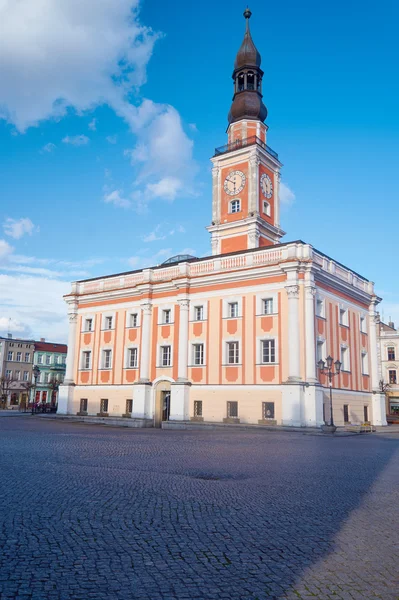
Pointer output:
x,y
165,398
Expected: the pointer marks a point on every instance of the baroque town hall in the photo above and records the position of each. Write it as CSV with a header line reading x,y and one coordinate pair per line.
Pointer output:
x,y
236,336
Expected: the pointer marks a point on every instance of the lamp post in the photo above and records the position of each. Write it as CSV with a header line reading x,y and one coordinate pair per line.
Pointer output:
x,y
36,373
327,369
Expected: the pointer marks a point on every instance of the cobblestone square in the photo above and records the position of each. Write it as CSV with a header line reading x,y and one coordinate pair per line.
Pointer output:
x,y
91,512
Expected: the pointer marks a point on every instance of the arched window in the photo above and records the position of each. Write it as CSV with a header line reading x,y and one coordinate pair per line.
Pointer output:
x,y
240,86
250,80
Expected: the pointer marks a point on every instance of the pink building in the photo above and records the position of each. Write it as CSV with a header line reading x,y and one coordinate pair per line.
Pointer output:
x,y
235,336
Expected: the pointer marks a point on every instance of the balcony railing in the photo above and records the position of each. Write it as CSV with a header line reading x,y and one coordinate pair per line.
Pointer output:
x,y
249,141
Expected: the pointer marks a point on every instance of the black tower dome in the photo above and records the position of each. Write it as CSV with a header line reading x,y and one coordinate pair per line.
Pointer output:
x,y
247,76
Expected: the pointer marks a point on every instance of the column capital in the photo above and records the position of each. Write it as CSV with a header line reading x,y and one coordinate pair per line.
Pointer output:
x,y
292,291
184,303
73,317
146,307
215,171
310,291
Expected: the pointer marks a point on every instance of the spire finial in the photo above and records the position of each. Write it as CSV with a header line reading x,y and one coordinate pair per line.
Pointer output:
x,y
247,13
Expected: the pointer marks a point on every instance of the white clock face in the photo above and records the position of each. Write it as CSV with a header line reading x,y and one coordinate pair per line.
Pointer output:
x,y
266,185
234,183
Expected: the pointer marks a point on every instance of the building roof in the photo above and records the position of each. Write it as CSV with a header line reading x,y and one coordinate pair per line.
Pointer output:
x,y
50,347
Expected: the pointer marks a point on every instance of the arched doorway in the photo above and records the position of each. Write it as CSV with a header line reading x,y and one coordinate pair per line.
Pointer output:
x,y
162,394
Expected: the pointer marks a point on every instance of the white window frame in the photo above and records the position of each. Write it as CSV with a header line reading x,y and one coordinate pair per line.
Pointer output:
x,y
364,362
266,208
202,357
133,320
166,316
19,357
194,305
394,351
396,376
27,354
104,318
48,359
46,377
321,343
40,359
233,310
26,376
346,362
227,343
260,298
265,305
10,355
89,324
8,373
343,312
199,312
106,352
129,350
18,375
161,314
226,306
320,303
86,354
161,355
235,206
362,324
270,341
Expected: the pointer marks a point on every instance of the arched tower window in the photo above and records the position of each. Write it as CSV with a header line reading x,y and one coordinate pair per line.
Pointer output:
x,y
250,80
240,86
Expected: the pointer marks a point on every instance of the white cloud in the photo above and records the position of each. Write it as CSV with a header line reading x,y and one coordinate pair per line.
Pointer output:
x,y
116,197
93,124
287,196
5,250
193,127
158,234
112,139
140,262
35,306
50,147
167,188
17,229
69,54
76,140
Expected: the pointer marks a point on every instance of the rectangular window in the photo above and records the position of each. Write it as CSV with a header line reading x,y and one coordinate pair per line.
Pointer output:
x,y
199,313
366,414
233,309
345,359
48,359
86,359
19,356
235,206
132,363
197,408
129,406
391,353
46,377
104,405
268,351
10,355
166,317
365,363
83,405
268,306
232,410
108,322
133,320
8,374
266,208
320,354
40,359
198,354
319,307
392,376
165,356
363,325
343,316
107,359
27,357
89,325
17,375
26,375
232,353
267,410
346,413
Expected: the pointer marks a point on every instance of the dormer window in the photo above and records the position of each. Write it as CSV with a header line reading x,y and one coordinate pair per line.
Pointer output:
x,y
235,206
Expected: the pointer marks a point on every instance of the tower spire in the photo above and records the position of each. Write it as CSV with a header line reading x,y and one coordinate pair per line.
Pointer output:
x,y
247,76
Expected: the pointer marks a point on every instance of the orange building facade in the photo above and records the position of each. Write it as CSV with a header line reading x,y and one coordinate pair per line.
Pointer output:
x,y
236,336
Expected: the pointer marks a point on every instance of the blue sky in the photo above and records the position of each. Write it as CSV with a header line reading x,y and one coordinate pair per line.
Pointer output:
x,y
108,120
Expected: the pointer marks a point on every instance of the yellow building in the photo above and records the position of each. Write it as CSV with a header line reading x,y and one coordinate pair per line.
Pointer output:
x,y
234,336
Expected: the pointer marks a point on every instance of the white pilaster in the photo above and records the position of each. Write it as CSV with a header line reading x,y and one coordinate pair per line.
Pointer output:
x,y
294,373
67,389
310,293
184,305
146,309
216,194
253,185
276,185
378,398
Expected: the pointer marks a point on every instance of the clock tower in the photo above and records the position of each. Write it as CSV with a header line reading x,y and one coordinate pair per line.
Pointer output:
x,y
246,171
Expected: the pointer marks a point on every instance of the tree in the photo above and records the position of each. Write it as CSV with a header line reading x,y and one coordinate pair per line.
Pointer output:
x,y
6,382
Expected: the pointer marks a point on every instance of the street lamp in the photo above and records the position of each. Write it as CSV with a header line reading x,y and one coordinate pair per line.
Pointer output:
x,y
36,373
330,372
